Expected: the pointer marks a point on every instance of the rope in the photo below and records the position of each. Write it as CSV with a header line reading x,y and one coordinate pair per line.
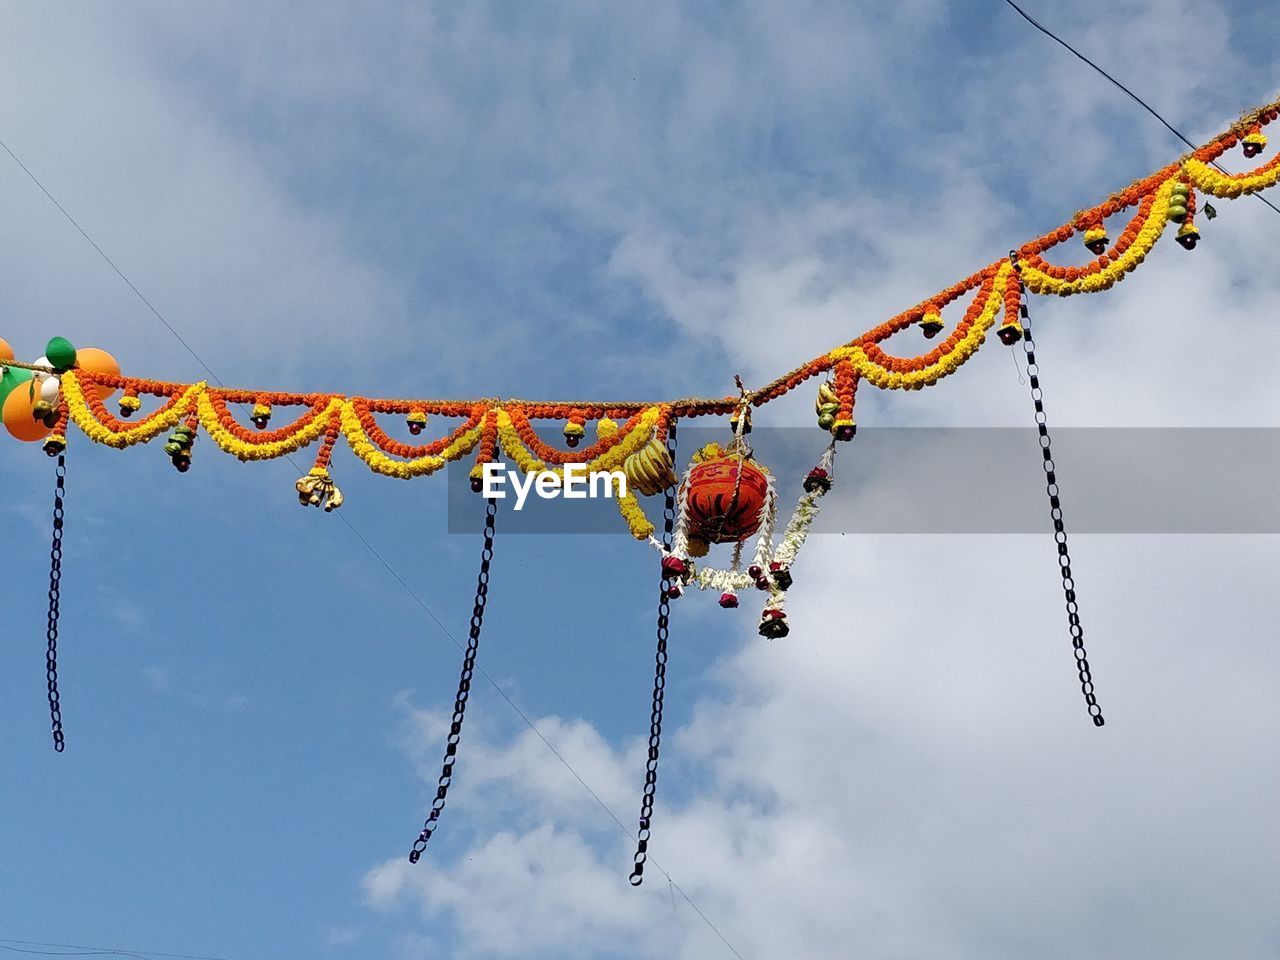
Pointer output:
x,y
37,367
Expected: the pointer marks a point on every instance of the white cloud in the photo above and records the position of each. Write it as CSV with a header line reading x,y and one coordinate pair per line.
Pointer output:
x,y
256,281
901,778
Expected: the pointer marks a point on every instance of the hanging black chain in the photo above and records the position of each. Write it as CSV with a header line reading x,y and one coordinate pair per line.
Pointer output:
x,y
55,595
1055,507
464,685
659,678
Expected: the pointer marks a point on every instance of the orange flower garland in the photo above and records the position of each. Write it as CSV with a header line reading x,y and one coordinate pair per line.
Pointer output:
x,y
260,437
549,454
1168,195
364,410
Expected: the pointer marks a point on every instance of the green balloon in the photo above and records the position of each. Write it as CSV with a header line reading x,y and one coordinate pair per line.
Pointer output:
x,y
13,376
61,354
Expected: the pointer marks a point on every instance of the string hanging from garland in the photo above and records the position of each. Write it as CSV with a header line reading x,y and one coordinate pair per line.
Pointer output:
x,y
724,496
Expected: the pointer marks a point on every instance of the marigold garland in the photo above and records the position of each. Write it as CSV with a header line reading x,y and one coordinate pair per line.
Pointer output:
x,y
631,439
458,445
1112,266
895,373
628,505
235,440
1165,196
87,412
1228,185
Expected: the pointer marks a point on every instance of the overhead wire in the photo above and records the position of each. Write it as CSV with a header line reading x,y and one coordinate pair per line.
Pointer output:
x,y
111,263
82,950
1133,96
377,554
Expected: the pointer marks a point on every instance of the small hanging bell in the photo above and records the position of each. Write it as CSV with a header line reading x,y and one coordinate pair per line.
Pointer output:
x,y
931,323
1010,332
1095,239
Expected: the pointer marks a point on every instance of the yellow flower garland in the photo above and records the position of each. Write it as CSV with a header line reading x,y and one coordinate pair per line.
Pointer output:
x,y
1150,231
611,459
1220,184
238,448
149,429
379,462
639,524
628,505
888,379
851,363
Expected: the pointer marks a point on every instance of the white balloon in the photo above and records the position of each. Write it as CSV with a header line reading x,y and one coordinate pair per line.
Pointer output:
x,y
42,362
50,388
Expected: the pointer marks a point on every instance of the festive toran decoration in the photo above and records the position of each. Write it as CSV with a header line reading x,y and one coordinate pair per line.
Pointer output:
x,y
725,495
71,385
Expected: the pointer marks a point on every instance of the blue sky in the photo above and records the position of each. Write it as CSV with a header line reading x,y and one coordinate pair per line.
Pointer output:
x,y
443,199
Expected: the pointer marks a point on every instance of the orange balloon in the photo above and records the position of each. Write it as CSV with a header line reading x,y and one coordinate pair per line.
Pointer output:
x,y
6,351
18,417
98,361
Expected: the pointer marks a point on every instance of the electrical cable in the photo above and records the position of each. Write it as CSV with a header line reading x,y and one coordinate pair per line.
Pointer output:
x,y
81,950
111,263
1133,96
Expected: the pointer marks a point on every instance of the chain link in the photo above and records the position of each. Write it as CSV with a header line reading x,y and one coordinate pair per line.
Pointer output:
x,y
464,685
55,596
1055,508
659,679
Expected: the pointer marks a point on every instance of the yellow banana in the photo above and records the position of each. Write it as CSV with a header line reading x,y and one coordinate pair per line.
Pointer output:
x,y
641,478
649,470
335,499
315,490
826,396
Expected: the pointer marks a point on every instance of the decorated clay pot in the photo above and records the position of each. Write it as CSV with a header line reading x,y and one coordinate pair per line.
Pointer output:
x,y
715,514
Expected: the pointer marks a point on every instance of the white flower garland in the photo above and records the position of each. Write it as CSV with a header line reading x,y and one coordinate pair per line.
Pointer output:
x,y
807,509
766,555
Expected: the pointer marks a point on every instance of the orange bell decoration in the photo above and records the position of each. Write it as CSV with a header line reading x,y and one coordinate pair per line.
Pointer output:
x,y
19,415
721,506
93,360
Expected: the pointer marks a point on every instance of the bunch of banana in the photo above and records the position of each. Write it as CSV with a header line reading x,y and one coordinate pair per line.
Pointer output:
x,y
179,447
317,489
649,470
827,405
